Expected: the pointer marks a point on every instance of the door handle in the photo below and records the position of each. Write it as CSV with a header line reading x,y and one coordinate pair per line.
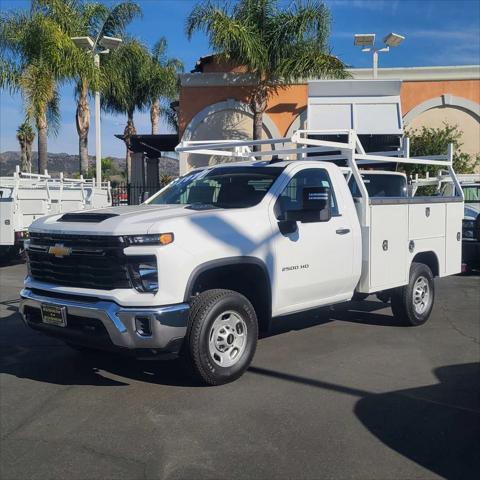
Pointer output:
x,y
342,231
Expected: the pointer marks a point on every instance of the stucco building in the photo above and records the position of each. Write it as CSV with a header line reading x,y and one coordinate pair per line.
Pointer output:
x,y
214,103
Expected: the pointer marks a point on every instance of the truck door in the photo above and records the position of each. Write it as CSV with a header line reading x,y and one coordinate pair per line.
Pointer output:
x,y
314,264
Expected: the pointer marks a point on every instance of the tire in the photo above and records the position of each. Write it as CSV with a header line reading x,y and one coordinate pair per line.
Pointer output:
x,y
413,303
221,337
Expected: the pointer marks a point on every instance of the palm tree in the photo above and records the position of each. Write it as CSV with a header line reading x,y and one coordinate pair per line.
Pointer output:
x,y
25,137
127,72
37,55
163,83
277,45
93,19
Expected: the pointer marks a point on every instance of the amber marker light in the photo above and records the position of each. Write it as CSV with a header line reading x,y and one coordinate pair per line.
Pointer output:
x,y
166,238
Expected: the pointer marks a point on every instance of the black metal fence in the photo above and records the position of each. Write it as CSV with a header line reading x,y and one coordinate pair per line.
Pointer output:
x,y
128,194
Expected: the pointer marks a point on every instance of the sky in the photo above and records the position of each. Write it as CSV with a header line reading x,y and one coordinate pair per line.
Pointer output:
x,y
438,32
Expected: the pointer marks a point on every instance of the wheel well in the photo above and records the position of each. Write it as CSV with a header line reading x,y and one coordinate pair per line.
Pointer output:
x,y
430,259
249,279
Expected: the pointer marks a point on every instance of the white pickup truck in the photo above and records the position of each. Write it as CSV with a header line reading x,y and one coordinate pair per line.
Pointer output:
x,y
206,262
24,197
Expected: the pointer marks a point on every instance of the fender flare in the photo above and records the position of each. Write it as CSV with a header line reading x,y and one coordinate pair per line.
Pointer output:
x,y
225,262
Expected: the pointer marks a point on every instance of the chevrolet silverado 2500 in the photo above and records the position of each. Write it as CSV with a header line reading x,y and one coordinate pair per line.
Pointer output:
x,y
206,262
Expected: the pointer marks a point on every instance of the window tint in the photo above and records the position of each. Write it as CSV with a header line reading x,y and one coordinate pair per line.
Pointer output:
x,y
379,185
292,195
223,187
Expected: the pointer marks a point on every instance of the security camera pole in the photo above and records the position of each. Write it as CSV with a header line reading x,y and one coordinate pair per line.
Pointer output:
x,y
367,42
95,47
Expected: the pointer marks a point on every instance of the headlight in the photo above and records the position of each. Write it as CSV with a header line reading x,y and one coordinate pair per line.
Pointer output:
x,y
143,273
151,239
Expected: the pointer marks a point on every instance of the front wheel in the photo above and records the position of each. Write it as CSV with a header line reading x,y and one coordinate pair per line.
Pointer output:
x,y
222,336
413,303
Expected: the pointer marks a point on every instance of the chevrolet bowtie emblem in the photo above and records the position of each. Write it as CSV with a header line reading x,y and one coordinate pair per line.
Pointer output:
x,y
59,250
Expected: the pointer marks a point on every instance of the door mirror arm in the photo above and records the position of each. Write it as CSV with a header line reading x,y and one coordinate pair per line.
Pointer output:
x,y
287,227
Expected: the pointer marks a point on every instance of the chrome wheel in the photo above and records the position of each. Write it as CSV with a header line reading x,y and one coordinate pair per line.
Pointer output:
x,y
421,295
227,339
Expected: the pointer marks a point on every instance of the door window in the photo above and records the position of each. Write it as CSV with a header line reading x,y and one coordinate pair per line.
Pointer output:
x,y
292,195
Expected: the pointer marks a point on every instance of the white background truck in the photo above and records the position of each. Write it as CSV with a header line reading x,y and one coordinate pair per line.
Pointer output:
x,y
24,197
212,257
470,184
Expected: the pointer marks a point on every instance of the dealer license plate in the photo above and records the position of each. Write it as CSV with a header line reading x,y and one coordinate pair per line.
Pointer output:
x,y
54,315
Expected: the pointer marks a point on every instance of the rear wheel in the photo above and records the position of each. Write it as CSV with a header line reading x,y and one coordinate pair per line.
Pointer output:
x,y
413,303
222,336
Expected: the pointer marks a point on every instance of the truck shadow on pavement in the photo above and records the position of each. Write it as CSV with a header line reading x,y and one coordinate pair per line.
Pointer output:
x,y
436,426
363,312
26,353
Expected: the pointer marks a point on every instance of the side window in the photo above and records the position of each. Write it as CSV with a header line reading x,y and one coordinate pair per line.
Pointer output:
x,y
291,197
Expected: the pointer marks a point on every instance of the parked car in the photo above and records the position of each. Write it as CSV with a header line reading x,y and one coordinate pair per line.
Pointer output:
x,y
471,227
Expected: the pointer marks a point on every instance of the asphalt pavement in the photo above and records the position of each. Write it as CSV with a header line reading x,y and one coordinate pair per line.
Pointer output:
x,y
338,393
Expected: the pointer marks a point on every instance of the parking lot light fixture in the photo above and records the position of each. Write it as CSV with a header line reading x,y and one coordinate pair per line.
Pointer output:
x,y
393,39
367,42
101,45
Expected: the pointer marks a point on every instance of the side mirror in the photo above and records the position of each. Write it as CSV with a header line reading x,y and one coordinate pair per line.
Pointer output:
x,y
287,227
315,206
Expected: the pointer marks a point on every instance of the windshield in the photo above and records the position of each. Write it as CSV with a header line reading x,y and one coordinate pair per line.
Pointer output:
x,y
379,185
472,193
222,187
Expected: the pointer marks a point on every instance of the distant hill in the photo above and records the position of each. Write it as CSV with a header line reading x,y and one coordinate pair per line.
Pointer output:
x,y
68,164
57,162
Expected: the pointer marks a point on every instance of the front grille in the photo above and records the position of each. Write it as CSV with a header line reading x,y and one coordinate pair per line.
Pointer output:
x,y
91,261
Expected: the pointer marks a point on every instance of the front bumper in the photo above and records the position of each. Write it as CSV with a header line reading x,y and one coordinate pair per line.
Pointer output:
x,y
105,325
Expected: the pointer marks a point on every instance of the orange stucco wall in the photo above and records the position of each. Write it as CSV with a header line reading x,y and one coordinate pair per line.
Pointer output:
x,y
285,104
414,93
195,99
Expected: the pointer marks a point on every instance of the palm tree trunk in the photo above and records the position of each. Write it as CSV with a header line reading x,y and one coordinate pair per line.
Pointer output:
x,y
23,155
28,151
154,115
258,104
127,133
42,142
83,126
257,125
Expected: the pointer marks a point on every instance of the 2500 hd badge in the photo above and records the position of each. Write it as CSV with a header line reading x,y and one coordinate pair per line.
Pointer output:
x,y
295,267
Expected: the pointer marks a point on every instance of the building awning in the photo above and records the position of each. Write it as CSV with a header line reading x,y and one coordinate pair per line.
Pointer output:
x,y
152,146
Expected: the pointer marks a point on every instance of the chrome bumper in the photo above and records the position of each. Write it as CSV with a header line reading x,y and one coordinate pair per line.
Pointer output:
x,y
168,324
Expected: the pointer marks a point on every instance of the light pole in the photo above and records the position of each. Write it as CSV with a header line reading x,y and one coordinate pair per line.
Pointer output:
x,y
367,42
100,45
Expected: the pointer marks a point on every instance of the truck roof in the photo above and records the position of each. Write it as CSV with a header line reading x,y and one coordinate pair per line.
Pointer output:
x,y
256,163
285,163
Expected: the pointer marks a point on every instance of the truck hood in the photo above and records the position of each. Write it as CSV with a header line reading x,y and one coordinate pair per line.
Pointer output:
x,y
125,220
